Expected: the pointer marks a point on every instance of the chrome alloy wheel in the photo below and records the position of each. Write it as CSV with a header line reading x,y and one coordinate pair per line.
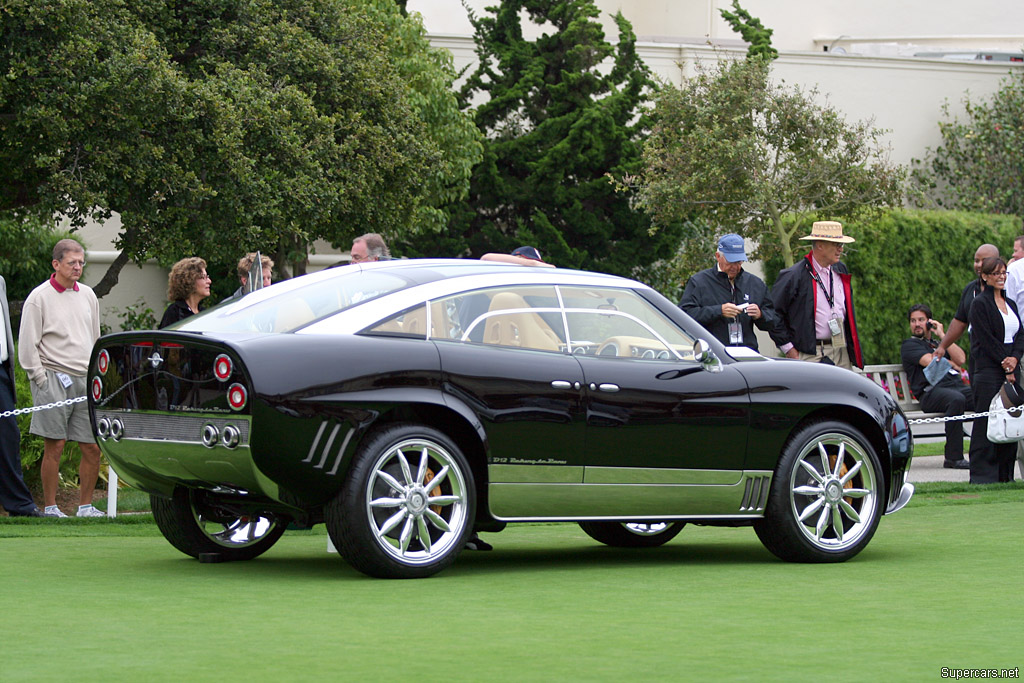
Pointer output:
x,y
234,532
833,492
417,501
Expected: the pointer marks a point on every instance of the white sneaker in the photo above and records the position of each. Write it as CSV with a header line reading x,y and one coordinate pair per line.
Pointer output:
x,y
53,511
88,511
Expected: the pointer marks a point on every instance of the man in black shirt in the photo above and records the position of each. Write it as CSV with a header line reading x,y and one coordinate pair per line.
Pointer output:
x,y
947,394
727,300
959,323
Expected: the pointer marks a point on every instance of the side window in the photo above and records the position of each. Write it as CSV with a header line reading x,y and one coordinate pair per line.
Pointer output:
x,y
519,317
620,323
410,323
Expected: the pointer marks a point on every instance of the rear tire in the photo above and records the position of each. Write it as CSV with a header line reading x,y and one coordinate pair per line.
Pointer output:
x,y
632,534
407,505
826,496
196,523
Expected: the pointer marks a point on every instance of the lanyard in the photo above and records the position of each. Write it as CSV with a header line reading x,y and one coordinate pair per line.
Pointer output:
x,y
829,295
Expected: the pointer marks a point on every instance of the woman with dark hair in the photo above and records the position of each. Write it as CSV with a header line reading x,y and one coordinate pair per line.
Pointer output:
x,y
187,285
997,343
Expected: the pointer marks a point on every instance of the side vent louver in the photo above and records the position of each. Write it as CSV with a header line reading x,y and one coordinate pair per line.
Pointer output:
x,y
755,496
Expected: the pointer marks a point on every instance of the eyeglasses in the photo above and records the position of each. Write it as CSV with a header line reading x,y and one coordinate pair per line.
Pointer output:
x,y
358,258
80,264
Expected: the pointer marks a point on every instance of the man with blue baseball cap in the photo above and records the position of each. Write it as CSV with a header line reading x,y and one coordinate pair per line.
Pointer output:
x,y
727,300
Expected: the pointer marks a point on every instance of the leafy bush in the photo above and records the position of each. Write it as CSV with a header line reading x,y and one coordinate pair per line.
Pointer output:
x,y
906,257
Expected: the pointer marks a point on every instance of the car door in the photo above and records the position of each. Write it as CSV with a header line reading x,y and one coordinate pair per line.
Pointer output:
x,y
653,414
503,356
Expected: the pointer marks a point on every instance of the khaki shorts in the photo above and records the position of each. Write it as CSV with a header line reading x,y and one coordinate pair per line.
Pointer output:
x,y
70,423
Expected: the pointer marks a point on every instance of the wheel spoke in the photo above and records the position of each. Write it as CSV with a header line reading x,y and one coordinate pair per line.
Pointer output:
x,y
808,490
392,521
837,523
391,481
819,528
422,471
406,536
437,520
824,458
856,493
444,500
811,471
811,509
851,472
850,512
424,534
386,502
439,477
406,472
840,458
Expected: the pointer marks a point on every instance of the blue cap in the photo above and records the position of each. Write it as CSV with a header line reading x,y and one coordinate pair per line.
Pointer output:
x,y
528,252
731,247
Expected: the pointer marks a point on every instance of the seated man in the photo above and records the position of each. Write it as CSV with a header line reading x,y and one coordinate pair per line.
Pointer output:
x,y
947,394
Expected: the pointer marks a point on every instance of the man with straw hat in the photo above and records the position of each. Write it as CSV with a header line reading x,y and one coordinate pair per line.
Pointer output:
x,y
814,302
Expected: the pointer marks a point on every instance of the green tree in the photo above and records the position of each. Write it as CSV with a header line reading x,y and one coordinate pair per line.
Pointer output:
x,y
754,33
26,251
980,163
559,114
736,153
218,126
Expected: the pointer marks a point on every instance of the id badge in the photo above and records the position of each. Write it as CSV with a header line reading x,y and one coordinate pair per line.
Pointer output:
x,y
65,380
838,338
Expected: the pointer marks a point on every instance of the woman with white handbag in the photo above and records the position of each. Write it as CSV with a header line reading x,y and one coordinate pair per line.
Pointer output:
x,y
997,343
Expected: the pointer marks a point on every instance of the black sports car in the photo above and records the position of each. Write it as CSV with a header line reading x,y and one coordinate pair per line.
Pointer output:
x,y
408,404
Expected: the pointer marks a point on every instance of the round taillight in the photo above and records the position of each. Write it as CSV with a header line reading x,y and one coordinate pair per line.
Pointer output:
x,y
237,396
222,367
103,362
97,388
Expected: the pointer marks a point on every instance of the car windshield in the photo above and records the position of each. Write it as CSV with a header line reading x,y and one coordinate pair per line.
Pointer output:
x,y
289,305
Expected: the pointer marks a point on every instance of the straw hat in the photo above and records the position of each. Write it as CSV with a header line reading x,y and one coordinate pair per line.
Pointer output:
x,y
828,231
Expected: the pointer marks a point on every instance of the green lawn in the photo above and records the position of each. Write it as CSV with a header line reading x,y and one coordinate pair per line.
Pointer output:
x,y
935,448
937,587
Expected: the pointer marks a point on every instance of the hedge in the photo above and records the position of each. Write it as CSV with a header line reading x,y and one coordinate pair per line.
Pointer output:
x,y
907,257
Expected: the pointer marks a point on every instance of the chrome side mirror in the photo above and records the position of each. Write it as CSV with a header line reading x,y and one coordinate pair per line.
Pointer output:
x,y
703,354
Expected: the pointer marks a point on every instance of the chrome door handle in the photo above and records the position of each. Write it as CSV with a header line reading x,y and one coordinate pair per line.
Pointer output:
x,y
610,388
561,384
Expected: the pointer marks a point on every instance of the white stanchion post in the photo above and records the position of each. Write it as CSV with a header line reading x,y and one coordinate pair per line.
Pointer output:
x,y
111,492
330,546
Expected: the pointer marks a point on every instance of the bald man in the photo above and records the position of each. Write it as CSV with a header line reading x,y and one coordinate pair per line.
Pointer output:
x,y
958,325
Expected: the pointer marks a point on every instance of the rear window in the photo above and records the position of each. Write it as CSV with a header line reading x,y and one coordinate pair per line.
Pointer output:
x,y
290,305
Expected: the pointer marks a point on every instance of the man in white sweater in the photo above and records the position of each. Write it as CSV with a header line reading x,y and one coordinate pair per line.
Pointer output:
x,y
60,322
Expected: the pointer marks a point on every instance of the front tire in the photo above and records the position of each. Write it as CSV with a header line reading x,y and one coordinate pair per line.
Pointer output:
x,y
196,523
826,496
632,534
407,505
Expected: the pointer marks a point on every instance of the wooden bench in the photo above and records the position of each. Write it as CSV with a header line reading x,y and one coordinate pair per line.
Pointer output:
x,y
893,379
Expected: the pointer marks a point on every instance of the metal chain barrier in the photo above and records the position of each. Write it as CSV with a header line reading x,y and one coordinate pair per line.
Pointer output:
x,y
36,409
974,416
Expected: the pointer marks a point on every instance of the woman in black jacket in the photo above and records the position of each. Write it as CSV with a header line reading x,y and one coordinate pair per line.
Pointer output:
x,y
187,285
997,343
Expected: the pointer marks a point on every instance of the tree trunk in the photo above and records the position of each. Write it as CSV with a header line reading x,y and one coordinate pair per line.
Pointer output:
x,y
109,278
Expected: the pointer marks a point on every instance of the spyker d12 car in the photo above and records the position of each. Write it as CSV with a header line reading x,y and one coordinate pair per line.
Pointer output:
x,y
409,404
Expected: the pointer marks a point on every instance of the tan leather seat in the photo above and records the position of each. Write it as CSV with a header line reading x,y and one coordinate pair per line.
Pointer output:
x,y
526,330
